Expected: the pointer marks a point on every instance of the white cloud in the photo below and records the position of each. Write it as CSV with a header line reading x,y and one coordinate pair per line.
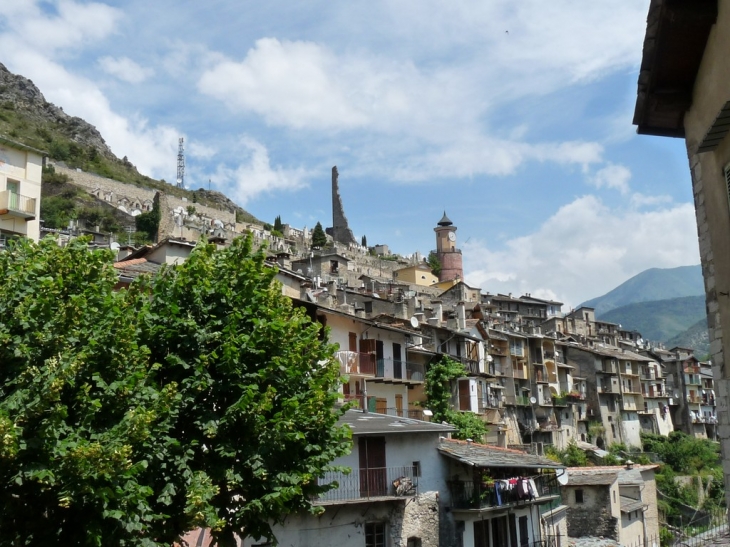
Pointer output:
x,y
72,24
125,69
288,83
612,176
584,250
256,176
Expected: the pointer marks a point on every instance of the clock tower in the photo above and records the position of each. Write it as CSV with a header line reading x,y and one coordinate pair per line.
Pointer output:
x,y
449,256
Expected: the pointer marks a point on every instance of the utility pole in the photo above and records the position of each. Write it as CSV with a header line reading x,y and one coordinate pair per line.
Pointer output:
x,y
180,164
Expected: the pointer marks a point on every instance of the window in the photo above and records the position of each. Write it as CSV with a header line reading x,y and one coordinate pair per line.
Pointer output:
x,y
416,469
413,542
579,496
614,496
374,534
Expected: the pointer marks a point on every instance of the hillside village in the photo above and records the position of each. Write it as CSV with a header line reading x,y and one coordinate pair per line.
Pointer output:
x,y
539,378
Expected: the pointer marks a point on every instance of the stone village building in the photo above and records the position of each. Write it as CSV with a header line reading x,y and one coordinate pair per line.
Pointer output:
x,y
612,502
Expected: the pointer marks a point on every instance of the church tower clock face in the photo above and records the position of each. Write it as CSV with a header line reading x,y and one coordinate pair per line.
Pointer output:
x,y
452,236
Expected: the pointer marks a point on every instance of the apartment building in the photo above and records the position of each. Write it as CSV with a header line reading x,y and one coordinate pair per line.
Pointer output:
x,y
21,168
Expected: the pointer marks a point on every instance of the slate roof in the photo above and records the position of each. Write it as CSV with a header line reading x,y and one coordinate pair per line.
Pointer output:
x,y
369,423
608,473
590,478
479,455
629,504
131,269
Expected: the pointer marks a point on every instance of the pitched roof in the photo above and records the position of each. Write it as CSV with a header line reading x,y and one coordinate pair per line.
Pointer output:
x,y
368,423
629,504
480,455
131,269
581,476
607,474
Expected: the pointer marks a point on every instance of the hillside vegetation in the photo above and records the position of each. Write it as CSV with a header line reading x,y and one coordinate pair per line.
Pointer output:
x,y
26,117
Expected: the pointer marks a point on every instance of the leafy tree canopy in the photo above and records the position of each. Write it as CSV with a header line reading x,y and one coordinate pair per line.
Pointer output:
x,y
434,263
439,379
128,418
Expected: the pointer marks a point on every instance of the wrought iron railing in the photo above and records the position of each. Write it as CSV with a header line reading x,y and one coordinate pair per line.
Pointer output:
x,y
480,495
374,482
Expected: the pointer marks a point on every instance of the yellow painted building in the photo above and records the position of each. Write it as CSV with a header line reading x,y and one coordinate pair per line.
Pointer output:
x,y
420,274
20,191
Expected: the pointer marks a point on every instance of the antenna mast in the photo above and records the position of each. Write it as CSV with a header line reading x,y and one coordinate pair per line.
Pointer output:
x,y
180,164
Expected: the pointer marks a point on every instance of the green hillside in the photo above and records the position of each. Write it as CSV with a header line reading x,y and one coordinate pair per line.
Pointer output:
x,y
660,320
26,117
652,285
695,337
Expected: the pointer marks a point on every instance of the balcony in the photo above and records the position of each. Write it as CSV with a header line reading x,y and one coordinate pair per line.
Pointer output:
x,y
391,370
486,403
17,205
516,400
369,484
357,364
520,373
560,401
611,388
482,495
471,365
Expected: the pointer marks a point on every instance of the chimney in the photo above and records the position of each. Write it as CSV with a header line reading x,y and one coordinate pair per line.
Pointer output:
x,y
461,316
438,311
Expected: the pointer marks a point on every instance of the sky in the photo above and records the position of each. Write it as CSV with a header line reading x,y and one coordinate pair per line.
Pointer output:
x,y
513,117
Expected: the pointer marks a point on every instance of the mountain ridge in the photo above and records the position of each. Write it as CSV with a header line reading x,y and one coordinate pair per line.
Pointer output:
x,y
650,285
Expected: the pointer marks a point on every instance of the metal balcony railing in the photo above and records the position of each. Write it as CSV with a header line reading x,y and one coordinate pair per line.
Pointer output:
x,y
516,400
365,484
353,362
399,370
485,403
18,204
480,495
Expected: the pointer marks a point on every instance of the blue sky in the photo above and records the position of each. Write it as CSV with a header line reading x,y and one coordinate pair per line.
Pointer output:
x,y
514,117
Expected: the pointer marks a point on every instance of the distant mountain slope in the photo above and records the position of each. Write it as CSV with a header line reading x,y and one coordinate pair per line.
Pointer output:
x,y
659,320
695,337
651,285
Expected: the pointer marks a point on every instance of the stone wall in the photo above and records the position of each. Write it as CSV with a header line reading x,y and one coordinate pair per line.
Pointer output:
x,y
134,197
340,229
420,519
593,517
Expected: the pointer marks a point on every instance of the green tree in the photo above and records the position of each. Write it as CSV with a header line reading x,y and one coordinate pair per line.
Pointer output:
x,y
127,418
149,222
434,263
278,226
439,379
319,238
364,241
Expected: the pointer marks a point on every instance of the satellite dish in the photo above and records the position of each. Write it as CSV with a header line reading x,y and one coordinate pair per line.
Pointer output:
x,y
533,400
114,246
562,477
414,322
490,358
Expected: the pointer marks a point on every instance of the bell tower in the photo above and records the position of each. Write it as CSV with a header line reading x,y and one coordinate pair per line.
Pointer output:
x,y
449,256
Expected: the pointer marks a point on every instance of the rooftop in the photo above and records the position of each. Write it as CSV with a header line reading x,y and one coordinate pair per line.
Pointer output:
x,y
368,423
479,455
